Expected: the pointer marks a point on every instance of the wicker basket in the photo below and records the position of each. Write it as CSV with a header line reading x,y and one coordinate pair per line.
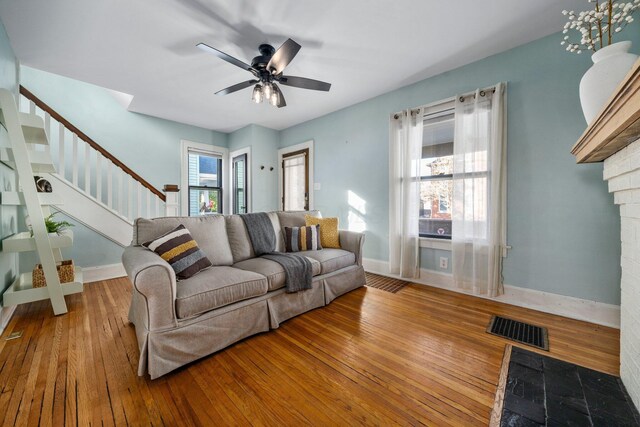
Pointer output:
x,y
65,273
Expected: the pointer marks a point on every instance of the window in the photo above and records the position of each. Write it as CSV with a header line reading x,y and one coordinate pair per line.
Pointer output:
x,y
436,173
204,182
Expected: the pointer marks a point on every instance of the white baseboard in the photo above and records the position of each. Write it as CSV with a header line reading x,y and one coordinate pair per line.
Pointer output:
x,y
574,308
5,316
103,272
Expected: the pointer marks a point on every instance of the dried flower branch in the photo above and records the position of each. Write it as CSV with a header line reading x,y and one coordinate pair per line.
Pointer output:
x,y
598,26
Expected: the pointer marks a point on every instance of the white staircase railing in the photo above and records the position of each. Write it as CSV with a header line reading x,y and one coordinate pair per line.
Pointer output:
x,y
88,167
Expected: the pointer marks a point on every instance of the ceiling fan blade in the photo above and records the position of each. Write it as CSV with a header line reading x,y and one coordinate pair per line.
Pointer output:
x,y
281,101
305,83
283,56
230,59
236,87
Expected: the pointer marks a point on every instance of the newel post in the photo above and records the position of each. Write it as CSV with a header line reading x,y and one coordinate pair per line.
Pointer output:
x,y
171,205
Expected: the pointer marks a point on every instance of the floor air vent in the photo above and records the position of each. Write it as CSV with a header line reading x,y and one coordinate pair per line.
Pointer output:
x,y
524,333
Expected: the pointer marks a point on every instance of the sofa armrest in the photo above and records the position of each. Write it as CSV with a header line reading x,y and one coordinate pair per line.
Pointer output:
x,y
155,280
352,241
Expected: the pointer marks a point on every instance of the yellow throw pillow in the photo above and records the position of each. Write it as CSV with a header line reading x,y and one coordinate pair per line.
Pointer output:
x,y
329,237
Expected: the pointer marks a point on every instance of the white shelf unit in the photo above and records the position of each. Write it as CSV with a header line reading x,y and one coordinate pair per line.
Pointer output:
x,y
24,242
22,290
40,161
33,129
16,198
23,130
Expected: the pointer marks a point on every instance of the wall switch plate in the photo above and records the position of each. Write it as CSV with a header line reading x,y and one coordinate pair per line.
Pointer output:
x,y
444,262
317,186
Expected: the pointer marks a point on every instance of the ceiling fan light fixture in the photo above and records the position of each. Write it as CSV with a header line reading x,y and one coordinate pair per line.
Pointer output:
x,y
267,90
273,99
257,94
267,70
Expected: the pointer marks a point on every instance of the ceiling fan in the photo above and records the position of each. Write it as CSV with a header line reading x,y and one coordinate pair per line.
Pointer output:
x,y
267,70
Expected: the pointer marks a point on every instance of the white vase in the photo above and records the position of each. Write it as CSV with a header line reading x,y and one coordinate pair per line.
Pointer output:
x,y
610,65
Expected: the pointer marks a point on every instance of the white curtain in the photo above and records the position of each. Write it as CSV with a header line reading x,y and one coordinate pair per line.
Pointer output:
x,y
479,192
405,152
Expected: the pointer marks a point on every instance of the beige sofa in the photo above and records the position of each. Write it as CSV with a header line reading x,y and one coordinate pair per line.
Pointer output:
x,y
241,295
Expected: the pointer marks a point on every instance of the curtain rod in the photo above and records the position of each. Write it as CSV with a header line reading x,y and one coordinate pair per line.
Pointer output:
x,y
483,91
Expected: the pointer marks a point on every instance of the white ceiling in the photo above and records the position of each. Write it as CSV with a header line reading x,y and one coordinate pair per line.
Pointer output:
x,y
363,47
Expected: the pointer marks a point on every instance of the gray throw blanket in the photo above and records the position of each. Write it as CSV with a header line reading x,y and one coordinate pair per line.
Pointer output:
x,y
297,269
261,234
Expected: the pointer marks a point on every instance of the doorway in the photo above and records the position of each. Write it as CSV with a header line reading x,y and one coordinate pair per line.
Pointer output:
x,y
239,170
296,177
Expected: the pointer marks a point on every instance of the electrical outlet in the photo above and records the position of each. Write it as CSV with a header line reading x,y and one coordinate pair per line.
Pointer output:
x,y
444,262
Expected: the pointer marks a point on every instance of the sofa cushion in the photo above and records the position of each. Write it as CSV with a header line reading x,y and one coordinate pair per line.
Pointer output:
x,y
241,247
209,231
331,259
277,227
239,241
178,248
272,270
217,287
295,218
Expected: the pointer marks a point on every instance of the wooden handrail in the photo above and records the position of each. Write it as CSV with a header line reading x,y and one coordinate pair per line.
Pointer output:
x,y
43,106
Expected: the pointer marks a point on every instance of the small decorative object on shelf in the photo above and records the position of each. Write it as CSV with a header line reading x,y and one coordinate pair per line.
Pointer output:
x,y
42,185
56,226
66,274
611,61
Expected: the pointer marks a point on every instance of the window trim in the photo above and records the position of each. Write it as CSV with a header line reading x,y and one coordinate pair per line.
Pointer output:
x,y
214,150
433,243
248,177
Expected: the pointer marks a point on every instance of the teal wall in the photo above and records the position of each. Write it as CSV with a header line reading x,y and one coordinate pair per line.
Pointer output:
x,y
562,223
8,214
129,136
264,152
89,249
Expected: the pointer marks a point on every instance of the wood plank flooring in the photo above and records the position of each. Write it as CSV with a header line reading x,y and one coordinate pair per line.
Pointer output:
x,y
420,356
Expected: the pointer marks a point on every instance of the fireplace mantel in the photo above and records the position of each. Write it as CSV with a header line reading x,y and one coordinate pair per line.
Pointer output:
x,y
617,125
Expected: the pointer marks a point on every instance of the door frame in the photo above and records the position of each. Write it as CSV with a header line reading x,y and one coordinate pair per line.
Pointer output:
x,y
307,145
236,153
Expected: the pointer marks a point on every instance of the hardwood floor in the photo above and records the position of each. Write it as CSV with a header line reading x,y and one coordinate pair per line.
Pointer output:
x,y
420,356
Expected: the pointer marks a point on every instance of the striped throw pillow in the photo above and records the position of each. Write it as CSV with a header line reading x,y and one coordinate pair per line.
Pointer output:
x,y
302,238
178,248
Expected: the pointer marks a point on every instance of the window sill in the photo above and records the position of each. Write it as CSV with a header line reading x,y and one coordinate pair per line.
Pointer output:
x,y
442,244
